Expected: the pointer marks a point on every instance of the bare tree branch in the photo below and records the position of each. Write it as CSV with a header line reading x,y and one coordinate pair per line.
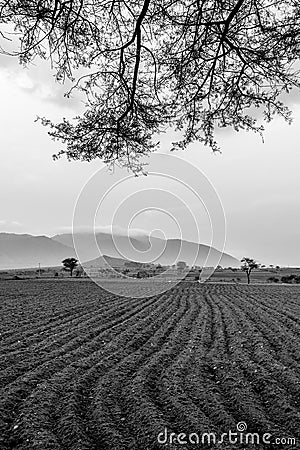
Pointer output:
x,y
144,66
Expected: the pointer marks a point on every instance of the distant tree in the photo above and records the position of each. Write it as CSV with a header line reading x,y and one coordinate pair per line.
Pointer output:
x,y
70,264
181,265
147,65
159,269
197,276
248,265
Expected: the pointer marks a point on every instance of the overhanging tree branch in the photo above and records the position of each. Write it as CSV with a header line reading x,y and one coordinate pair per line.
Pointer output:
x,y
145,66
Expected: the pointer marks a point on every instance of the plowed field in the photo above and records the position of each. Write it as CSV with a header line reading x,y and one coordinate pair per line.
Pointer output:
x,y
84,369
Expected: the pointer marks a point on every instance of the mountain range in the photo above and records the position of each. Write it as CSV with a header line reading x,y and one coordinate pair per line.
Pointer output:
x,y
27,251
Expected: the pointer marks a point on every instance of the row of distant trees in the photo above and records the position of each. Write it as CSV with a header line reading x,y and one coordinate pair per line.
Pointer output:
x,y
248,265
70,264
289,279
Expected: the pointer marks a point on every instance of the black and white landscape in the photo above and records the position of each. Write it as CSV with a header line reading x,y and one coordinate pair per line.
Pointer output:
x,y
149,225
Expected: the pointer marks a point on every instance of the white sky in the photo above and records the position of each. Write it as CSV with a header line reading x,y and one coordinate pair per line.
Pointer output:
x,y
258,183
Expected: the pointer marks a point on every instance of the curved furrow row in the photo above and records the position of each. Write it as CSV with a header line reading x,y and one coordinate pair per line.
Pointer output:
x,y
282,315
108,403
272,326
222,376
156,382
69,319
187,384
44,305
274,383
98,371
69,341
263,297
279,337
129,362
82,364
19,390
77,335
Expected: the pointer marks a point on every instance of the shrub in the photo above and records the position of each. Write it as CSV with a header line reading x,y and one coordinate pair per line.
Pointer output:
x,y
290,279
274,280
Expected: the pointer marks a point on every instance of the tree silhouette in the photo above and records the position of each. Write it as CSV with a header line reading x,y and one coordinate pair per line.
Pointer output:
x,y
248,265
145,66
70,264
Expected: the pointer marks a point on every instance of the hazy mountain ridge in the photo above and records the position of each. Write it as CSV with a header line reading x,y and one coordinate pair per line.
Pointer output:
x,y
27,251
144,249
19,251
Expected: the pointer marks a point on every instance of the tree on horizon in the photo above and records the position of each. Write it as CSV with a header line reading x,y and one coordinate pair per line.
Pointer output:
x,y
70,264
248,265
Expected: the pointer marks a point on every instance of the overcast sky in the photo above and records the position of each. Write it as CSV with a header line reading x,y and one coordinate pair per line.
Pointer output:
x,y
258,183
